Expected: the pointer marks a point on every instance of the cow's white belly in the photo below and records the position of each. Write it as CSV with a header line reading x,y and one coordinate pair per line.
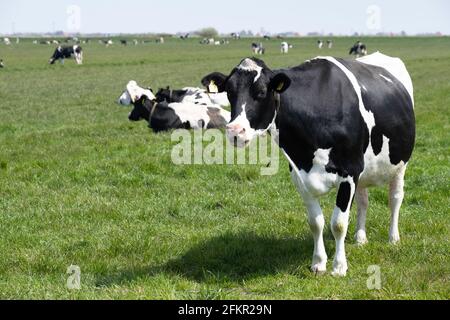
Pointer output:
x,y
318,181
378,169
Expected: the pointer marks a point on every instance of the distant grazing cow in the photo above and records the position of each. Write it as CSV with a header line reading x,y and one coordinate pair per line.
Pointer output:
x,y
7,41
63,52
235,36
359,49
285,47
164,116
47,42
330,44
258,48
345,124
124,42
2,65
319,44
106,42
266,37
193,95
184,37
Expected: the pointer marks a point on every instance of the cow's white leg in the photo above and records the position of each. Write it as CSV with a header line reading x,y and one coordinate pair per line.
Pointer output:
x,y
339,225
362,202
316,223
396,195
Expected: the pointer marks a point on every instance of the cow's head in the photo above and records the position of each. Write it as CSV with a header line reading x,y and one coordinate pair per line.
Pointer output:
x,y
251,89
142,109
133,93
164,94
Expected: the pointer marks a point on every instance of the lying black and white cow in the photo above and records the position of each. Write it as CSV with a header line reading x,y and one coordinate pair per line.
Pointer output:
x,y
359,49
347,124
63,52
193,95
164,116
1,63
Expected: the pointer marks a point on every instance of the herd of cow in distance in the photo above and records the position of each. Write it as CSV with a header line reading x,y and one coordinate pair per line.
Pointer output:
x,y
347,124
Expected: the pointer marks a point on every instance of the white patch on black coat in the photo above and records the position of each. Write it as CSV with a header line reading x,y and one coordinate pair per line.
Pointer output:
x,y
251,66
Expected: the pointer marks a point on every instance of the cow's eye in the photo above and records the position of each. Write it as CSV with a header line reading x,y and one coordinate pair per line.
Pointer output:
x,y
261,94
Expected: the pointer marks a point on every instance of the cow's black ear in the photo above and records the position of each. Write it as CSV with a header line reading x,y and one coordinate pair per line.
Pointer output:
x,y
280,83
215,82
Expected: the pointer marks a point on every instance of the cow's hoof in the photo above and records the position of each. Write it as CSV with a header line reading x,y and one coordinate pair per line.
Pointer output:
x,y
361,238
339,270
394,238
319,268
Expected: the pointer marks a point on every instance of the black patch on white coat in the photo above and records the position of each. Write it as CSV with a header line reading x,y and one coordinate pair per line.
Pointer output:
x,y
343,196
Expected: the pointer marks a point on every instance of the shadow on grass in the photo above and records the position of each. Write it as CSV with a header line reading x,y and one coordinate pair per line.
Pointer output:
x,y
229,257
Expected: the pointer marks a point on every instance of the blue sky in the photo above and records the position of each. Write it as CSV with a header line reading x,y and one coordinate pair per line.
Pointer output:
x,y
134,16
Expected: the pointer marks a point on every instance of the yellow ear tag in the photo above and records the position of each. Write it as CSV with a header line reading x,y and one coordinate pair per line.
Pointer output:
x,y
280,86
212,88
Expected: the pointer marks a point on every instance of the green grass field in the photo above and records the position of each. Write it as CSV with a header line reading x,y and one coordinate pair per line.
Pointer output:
x,y
80,185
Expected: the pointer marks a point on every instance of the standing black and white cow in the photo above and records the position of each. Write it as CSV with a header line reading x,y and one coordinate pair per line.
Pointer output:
x,y
359,49
258,48
347,124
236,36
164,116
285,47
319,44
63,52
1,63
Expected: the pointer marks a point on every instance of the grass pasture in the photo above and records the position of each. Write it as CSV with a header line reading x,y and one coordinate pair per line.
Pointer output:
x,y
80,185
